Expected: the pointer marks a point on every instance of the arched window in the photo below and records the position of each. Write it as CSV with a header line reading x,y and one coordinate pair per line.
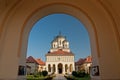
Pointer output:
x,y
71,68
66,67
54,68
49,68
60,68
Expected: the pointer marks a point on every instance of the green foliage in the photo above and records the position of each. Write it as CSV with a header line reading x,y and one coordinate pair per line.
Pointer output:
x,y
87,77
33,77
40,76
44,73
74,73
79,73
40,73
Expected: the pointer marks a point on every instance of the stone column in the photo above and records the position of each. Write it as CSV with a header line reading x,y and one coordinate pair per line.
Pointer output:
x,y
73,66
56,67
63,69
68,69
46,67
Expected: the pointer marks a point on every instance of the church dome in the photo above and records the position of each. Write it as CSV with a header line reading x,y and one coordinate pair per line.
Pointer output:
x,y
65,41
59,37
59,42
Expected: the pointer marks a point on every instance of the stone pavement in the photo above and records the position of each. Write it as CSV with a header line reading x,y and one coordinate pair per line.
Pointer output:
x,y
59,77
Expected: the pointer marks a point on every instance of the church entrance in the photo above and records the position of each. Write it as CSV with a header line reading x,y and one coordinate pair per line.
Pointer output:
x,y
60,68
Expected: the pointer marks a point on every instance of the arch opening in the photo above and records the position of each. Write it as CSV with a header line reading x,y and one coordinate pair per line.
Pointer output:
x,y
71,25
60,68
49,14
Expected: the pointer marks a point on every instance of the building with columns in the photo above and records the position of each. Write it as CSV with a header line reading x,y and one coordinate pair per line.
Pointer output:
x,y
60,60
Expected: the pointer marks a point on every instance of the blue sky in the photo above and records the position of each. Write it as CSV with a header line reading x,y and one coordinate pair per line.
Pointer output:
x,y
44,31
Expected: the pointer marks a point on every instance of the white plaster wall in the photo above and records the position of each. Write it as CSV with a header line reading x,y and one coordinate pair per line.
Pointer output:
x,y
60,59
43,68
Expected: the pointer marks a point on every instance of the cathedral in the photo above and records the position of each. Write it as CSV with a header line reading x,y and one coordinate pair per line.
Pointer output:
x,y
60,60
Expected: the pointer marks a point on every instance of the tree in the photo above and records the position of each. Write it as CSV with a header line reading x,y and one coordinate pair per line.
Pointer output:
x,y
44,73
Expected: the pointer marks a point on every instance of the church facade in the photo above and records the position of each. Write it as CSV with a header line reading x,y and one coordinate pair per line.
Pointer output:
x,y
60,60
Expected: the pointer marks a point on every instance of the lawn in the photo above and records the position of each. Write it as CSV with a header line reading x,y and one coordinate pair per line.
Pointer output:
x,y
85,78
78,78
37,77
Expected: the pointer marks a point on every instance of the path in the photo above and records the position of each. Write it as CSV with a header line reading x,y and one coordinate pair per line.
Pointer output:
x,y
59,77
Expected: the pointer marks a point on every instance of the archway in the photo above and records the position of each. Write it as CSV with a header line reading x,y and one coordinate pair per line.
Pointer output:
x,y
49,68
60,68
18,18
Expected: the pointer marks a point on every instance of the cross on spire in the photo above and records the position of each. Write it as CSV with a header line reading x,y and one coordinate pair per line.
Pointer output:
x,y
59,32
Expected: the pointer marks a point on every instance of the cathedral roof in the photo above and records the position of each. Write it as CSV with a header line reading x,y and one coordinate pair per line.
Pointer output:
x,y
60,52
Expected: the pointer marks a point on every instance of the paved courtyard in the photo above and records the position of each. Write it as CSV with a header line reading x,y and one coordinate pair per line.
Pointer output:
x,y
59,77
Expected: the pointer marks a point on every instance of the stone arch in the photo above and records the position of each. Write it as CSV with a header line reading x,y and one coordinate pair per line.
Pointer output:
x,y
60,68
93,14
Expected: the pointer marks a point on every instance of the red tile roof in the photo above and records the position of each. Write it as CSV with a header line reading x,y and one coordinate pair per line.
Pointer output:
x,y
88,59
84,60
60,52
40,62
30,59
80,61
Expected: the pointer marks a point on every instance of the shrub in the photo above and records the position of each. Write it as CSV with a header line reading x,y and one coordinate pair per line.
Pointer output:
x,y
31,73
74,73
81,74
44,73
35,75
78,74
